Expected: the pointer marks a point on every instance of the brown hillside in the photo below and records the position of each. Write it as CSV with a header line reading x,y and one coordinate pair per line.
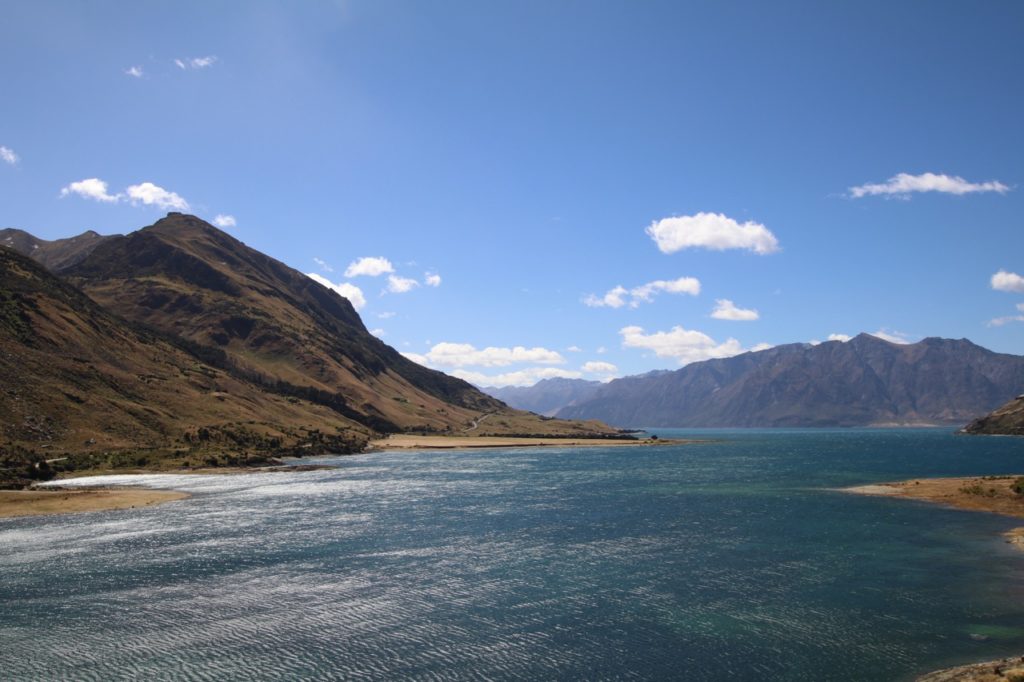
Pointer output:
x,y
263,320
77,379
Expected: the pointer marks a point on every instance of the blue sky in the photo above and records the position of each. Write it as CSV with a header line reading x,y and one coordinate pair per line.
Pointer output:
x,y
669,159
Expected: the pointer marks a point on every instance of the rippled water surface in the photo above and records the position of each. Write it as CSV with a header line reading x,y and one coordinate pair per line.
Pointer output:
x,y
724,560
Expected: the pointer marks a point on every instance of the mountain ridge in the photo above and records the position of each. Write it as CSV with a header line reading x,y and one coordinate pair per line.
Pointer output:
x,y
206,299
861,382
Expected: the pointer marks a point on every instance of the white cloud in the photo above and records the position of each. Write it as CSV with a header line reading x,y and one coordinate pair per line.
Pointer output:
x,y
353,293
1000,321
713,231
464,355
616,298
523,377
195,62
134,72
903,184
153,195
369,266
7,155
323,264
892,336
1008,281
597,367
378,332
386,315
727,310
574,349
400,285
683,285
684,345
839,337
417,358
91,188
432,279
221,220
601,350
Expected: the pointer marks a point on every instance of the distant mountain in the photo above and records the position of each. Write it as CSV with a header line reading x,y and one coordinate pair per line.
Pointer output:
x,y
55,255
249,317
1007,420
547,396
865,381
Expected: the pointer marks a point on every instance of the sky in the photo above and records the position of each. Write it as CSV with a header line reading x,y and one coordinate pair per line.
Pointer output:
x,y
509,191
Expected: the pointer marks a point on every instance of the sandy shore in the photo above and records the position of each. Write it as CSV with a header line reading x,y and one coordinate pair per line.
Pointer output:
x,y
408,442
975,493
38,502
991,494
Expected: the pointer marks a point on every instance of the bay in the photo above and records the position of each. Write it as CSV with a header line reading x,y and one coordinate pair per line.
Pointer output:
x,y
730,559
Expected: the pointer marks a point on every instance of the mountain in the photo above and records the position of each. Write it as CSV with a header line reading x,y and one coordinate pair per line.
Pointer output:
x,y
251,318
1007,420
80,382
54,255
865,381
547,396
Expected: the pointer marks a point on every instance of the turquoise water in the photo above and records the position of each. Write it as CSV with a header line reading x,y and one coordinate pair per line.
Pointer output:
x,y
725,560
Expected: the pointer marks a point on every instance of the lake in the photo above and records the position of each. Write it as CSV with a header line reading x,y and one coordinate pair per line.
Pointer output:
x,y
730,559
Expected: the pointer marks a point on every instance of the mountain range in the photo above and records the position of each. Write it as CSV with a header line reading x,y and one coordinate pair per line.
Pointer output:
x,y
861,382
179,335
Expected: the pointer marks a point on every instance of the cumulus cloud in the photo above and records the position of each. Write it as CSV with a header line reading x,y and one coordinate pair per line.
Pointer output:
x,y
222,220
727,310
1000,321
386,315
903,184
91,188
195,62
153,195
323,264
839,337
616,298
7,155
145,193
466,355
417,358
598,367
523,377
1008,281
891,336
369,266
353,293
134,71
713,231
400,285
432,279
378,332
574,349
684,345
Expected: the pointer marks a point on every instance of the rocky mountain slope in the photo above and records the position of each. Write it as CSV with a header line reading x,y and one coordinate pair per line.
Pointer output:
x,y
250,324
865,381
79,381
1007,420
54,255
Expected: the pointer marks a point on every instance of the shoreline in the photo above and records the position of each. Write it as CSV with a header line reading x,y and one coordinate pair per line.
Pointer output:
x,y
410,442
989,494
992,494
36,502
